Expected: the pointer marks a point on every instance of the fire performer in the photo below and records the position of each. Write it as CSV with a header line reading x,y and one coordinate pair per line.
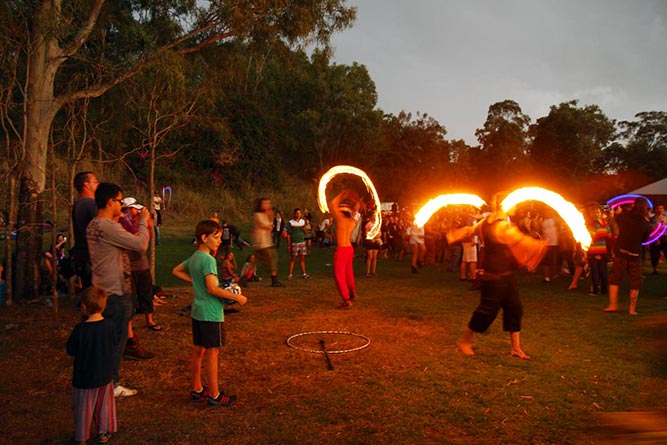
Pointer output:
x,y
343,208
506,248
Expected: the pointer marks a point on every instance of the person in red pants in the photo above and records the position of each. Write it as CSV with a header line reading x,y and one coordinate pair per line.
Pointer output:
x,y
343,208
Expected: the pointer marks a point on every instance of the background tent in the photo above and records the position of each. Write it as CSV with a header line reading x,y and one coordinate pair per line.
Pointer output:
x,y
657,188
656,192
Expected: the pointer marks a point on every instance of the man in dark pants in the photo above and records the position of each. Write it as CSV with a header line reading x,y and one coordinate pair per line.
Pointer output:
x,y
633,230
505,249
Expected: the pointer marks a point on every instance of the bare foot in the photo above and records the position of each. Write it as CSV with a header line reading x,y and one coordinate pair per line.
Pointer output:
x,y
465,347
345,304
519,353
610,309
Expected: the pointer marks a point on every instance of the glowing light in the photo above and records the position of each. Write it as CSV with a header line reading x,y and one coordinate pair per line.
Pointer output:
x,y
629,199
572,217
348,169
621,200
435,204
656,234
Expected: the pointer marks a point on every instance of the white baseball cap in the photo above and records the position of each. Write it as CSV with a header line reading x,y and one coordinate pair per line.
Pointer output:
x,y
132,203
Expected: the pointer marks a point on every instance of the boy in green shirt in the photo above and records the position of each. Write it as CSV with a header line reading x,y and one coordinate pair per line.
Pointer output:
x,y
208,334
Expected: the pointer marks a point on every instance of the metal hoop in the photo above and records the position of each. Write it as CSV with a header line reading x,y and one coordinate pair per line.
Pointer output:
x,y
319,351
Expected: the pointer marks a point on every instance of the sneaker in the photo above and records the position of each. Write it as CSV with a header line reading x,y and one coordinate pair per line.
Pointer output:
x,y
120,392
221,400
305,276
198,396
103,438
289,277
277,284
136,352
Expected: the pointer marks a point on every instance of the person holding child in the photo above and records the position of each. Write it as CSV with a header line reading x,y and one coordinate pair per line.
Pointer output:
x,y
208,333
92,344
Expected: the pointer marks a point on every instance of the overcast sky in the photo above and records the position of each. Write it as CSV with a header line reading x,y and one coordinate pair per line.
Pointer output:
x,y
454,58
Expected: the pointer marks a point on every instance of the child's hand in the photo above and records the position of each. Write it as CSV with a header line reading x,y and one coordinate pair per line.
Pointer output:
x,y
241,299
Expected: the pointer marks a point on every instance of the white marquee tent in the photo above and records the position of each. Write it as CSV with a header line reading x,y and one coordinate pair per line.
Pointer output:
x,y
653,189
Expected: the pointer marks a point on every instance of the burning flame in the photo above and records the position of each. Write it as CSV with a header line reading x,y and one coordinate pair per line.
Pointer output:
x,y
348,169
435,204
572,217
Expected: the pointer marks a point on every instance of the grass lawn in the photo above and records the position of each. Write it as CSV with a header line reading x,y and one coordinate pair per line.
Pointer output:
x,y
410,386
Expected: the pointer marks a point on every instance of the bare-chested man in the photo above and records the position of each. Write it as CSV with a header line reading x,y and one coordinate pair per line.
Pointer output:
x,y
343,208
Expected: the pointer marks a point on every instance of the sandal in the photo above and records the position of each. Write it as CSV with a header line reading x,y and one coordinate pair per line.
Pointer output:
x,y
154,327
158,302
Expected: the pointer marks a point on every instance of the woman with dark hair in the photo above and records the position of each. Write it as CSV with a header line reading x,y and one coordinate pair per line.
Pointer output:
x,y
633,230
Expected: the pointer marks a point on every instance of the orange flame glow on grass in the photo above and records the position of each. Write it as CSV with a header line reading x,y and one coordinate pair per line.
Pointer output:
x,y
348,169
435,204
572,217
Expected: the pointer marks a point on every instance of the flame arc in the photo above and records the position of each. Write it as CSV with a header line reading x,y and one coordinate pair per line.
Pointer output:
x,y
567,211
426,212
348,169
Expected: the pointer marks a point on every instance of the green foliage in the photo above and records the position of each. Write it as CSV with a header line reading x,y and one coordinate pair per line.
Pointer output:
x,y
503,144
569,142
643,146
414,150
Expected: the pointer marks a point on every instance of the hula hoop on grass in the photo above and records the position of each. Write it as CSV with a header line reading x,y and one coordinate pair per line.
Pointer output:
x,y
319,351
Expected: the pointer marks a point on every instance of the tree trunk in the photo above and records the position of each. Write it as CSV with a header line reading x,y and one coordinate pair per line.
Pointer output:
x,y
28,241
151,206
9,254
41,110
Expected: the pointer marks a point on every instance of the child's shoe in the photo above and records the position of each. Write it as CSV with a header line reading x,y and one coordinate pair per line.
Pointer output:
x,y
103,438
198,396
221,400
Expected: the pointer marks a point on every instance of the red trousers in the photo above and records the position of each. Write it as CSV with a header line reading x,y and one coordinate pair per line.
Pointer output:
x,y
344,272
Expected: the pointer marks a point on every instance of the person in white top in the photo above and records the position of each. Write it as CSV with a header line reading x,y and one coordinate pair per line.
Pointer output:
x,y
417,245
550,235
265,251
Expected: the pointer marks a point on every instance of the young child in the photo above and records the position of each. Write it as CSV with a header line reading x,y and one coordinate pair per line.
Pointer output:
x,y
249,271
91,343
208,334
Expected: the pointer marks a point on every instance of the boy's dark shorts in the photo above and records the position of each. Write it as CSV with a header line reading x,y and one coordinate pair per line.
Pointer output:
x,y
208,334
